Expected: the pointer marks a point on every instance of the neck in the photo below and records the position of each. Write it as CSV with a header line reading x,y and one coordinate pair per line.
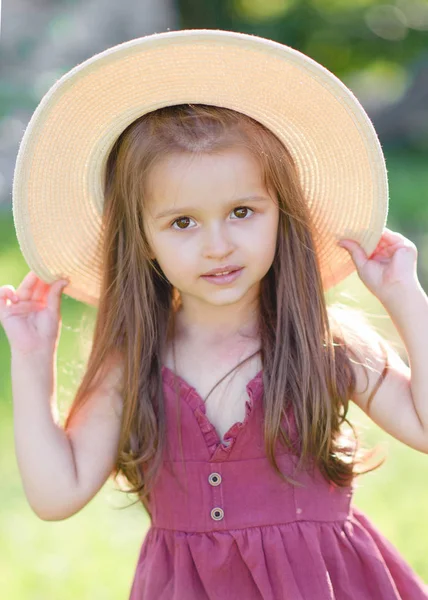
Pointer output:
x,y
216,326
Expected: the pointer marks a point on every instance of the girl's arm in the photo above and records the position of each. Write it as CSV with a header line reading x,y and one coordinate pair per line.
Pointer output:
x,y
400,405
392,407
61,472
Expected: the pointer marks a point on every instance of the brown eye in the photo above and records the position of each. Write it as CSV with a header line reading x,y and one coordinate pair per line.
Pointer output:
x,y
181,219
241,208
185,220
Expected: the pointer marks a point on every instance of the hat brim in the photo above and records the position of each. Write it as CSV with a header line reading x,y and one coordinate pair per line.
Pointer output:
x,y
59,172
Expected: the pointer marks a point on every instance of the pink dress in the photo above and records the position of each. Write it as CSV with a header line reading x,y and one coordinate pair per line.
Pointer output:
x,y
225,526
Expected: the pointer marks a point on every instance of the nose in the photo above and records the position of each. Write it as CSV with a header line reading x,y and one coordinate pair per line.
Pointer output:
x,y
217,242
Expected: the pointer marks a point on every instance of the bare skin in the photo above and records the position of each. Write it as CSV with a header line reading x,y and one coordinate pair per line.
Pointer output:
x,y
215,224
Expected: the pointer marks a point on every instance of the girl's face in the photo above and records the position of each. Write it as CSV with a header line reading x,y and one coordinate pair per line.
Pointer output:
x,y
209,211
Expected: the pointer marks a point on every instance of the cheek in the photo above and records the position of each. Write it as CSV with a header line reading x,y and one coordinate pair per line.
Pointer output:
x,y
262,242
178,261
265,248
273,231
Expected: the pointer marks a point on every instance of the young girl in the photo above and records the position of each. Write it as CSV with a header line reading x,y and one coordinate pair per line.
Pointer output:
x,y
219,380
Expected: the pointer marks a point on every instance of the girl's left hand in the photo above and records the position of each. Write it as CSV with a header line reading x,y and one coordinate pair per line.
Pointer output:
x,y
390,269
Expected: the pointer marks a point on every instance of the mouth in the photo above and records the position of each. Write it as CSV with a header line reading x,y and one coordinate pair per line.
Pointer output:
x,y
221,272
224,278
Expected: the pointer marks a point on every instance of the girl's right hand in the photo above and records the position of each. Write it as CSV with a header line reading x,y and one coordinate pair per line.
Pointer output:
x,y
31,314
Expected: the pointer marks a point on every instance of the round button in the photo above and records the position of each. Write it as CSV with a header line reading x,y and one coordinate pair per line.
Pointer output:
x,y
214,478
217,514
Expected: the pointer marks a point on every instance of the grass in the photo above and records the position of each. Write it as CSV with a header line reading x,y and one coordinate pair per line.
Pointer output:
x,y
93,555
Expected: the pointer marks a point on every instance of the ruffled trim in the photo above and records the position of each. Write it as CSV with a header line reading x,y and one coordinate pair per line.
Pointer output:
x,y
216,446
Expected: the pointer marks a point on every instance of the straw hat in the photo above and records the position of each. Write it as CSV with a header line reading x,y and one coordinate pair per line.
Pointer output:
x,y
58,179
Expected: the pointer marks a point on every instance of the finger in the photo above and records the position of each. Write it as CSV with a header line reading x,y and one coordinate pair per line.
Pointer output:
x,y
55,295
23,307
26,287
388,231
357,253
393,235
11,304
7,292
40,291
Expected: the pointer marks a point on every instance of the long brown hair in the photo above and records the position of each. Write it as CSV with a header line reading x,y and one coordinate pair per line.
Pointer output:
x,y
306,346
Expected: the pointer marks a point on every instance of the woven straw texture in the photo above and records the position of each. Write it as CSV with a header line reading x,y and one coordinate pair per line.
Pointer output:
x,y
57,188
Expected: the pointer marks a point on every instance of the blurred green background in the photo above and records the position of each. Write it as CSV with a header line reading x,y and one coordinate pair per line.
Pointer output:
x,y
380,51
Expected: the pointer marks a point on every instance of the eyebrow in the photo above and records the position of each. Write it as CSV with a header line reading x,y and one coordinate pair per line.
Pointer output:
x,y
188,209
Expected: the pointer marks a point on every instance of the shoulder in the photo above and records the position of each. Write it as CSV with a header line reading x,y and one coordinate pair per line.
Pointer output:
x,y
383,385
114,370
109,380
372,358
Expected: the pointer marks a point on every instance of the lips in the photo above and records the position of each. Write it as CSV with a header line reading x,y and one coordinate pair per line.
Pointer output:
x,y
222,270
224,279
221,273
